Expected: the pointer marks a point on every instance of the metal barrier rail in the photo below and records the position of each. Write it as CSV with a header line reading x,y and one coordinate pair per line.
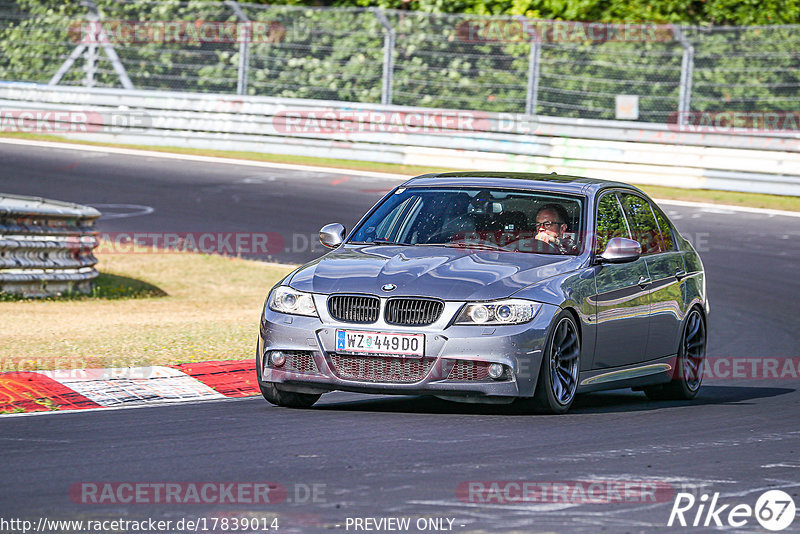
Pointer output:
x,y
46,246
644,153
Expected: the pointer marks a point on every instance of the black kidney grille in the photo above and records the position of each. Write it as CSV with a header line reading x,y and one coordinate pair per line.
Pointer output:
x,y
353,308
413,312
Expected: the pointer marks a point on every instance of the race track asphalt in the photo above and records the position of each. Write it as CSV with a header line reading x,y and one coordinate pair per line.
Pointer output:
x,y
406,456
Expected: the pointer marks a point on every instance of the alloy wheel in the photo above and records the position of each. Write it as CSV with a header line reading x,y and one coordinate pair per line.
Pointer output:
x,y
694,350
564,352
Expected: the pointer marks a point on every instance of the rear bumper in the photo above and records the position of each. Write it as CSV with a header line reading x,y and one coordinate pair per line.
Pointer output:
x,y
518,347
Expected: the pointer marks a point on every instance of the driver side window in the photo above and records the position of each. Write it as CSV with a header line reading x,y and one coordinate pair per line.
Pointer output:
x,y
610,222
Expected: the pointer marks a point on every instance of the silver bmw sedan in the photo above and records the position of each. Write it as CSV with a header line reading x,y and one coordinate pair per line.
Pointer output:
x,y
492,287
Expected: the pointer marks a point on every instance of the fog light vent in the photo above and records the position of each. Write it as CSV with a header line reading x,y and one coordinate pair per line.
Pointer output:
x,y
294,361
468,370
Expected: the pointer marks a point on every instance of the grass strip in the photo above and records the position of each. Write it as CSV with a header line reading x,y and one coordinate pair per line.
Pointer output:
x,y
146,309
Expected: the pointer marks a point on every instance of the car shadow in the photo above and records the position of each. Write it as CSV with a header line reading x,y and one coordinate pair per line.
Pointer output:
x,y
415,404
598,402
630,401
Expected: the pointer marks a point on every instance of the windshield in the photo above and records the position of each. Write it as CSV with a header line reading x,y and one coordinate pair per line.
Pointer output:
x,y
493,219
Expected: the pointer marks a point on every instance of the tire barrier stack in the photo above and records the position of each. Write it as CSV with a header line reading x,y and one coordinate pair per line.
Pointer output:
x,y
46,247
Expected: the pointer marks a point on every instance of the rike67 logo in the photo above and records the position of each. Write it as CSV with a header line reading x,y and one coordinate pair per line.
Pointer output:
x,y
774,510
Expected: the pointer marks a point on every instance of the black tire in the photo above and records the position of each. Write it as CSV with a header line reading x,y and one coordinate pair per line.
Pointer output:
x,y
688,375
558,376
280,397
288,399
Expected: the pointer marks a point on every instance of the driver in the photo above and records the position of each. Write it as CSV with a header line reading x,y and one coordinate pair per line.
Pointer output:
x,y
551,225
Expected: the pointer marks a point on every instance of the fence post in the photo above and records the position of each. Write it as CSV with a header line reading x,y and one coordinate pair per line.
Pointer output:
x,y
388,57
534,62
90,65
62,70
244,47
532,96
98,36
687,69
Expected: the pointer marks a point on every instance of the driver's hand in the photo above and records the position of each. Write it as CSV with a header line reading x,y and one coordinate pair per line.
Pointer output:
x,y
547,238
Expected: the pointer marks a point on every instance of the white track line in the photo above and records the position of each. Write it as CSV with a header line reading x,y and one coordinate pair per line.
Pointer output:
x,y
203,159
330,170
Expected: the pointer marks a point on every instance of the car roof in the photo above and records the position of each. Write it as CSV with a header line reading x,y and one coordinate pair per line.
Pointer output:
x,y
519,180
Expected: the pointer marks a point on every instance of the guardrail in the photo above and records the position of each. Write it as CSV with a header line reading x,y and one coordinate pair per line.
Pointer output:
x,y
643,153
46,246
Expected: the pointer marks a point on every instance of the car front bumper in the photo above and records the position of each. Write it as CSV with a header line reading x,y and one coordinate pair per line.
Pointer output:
x,y
518,347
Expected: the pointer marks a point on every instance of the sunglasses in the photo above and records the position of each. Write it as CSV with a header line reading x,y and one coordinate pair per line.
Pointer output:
x,y
547,224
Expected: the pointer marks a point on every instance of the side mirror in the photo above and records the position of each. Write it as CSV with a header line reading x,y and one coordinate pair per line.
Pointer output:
x,y
621,250
331,235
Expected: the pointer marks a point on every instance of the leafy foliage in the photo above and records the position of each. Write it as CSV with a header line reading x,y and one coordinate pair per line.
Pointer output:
x,y
728,12
463,61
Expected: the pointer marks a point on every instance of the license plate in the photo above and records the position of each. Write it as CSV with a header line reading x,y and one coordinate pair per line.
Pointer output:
x,y
358,342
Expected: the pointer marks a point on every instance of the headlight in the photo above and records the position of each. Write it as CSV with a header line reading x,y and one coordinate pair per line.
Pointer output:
x,y
287,300
511,311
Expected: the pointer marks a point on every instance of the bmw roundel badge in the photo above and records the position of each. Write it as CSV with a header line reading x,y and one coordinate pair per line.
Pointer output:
x,y
389,287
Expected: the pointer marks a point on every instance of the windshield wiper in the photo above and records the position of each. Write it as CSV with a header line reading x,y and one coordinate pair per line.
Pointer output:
x,y
481,246
378,242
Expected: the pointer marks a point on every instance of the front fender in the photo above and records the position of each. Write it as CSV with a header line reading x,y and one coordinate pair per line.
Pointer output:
x,y
573,292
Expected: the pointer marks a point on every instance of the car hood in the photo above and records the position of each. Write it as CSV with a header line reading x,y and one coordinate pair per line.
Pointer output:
x,y
446,273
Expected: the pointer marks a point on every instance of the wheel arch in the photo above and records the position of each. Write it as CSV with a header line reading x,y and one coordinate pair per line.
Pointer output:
x,y
696,305
576,317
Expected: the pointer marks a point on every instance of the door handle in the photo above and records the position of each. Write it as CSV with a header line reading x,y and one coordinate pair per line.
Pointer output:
x,y
680,274
643,282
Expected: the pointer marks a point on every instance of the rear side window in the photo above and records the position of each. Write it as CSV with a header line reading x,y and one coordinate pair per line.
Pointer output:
x,y
643,223
610,222
666,229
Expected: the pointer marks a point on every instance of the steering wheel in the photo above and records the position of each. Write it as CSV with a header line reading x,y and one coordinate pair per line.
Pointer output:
x,y
543,247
